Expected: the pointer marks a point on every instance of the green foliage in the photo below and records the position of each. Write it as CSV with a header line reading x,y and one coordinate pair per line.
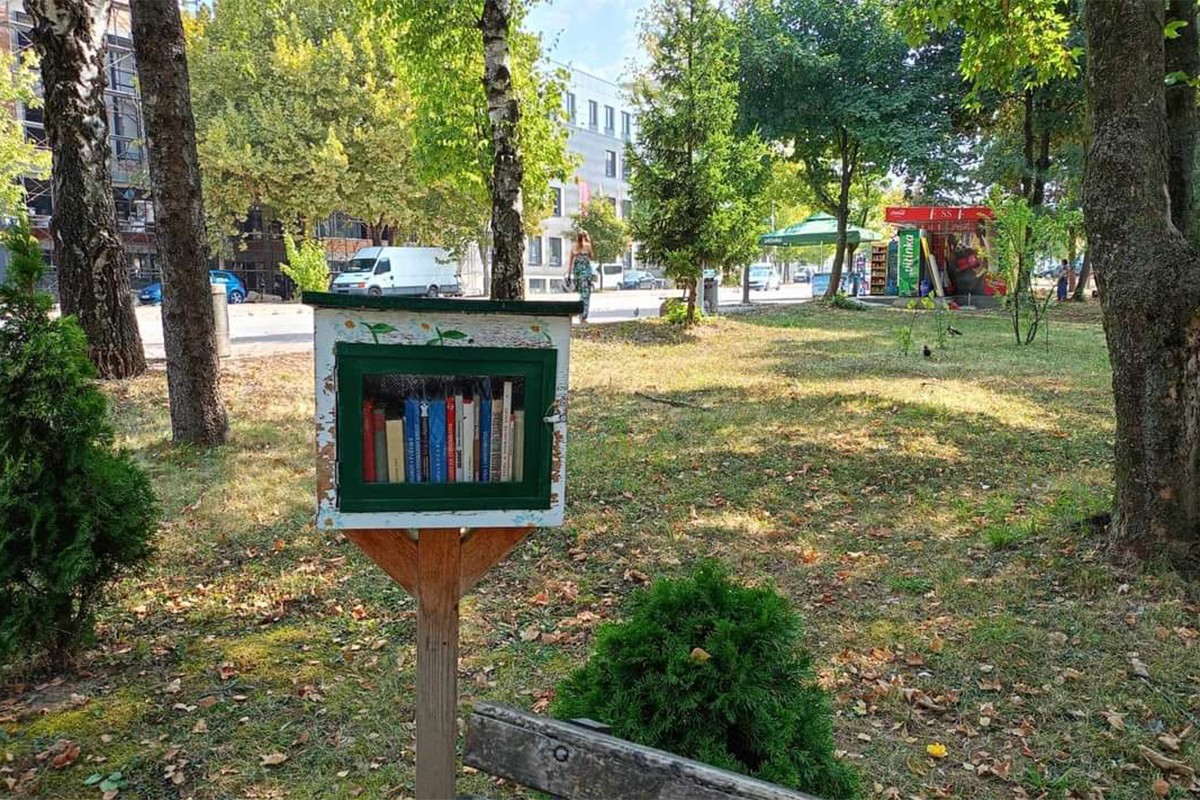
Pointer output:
x,y
675,312
1006,42
699,186
306,264
836,86
75,514
609,234
712,670
18,157
840,300
1022,236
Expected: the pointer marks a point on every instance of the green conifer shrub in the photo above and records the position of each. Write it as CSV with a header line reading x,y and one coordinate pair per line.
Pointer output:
x,y
712,670
75,513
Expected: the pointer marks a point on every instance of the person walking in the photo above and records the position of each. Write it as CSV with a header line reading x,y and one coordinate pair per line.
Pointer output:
x,y
581,270
1063,271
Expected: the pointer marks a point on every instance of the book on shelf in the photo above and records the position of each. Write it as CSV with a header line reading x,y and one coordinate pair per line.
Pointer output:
x,y
497,442
395,448
468,438
437,440
424,406
518,464
485,432
460,471
412,440
451,441
379,429
368,441
506,403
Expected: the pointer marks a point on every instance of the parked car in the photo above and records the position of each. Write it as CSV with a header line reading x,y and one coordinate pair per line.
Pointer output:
x,y
638,279
420,271
763,278
235,290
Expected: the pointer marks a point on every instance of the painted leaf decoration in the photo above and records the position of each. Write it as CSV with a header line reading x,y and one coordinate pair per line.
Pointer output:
x,y
453,335
378,327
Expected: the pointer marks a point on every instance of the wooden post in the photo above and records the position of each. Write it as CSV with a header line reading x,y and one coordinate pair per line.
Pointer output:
x,y
439,564
438,568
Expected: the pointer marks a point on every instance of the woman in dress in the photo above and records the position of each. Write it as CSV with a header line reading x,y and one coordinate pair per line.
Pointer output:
x,y
581,269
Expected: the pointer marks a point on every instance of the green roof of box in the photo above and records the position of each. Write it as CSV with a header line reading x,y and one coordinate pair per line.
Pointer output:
x,y
552,308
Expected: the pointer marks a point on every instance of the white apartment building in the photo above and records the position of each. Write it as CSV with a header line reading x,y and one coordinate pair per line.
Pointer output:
x,y
601,122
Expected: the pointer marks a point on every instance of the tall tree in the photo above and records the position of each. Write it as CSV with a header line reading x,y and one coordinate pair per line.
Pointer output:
x,y
1136,235
455,133
19,157
69,36
189,327
836,84
687,159
504,113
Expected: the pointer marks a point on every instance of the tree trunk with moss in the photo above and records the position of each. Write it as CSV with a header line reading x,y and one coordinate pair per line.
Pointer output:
x,y
508,236
93,282
189,325
1149,276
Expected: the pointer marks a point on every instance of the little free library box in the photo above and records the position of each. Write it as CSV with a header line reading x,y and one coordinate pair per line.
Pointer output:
x,y
440,413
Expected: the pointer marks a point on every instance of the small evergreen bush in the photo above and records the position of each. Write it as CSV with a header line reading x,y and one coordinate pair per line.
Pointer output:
x,y
74,513
306,264
714,671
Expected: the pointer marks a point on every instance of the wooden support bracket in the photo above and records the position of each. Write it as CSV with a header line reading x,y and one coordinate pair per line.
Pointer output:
x,y
437,566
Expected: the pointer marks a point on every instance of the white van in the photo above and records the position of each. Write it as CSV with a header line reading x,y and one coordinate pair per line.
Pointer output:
x,y
420,271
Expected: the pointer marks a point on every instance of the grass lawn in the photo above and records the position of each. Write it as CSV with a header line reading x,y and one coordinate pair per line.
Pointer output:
x,y
921,513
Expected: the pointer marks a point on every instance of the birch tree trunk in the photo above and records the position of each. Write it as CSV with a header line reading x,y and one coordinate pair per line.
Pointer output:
x,y
189,331
93,278
1149,278
508,237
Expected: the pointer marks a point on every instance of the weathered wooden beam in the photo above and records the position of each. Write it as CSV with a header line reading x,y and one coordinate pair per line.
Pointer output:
x,y
580,764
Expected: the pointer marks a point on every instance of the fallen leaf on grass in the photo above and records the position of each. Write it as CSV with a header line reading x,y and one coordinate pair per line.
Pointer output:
x,y
1115,719
68,754
200,727
937,750
272,759
699,655
1138,669
175,686
1161,787
1166,764
532,633
1170,742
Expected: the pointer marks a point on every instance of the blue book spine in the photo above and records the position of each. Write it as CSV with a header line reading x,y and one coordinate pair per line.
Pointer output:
x,y
485,435
437,442
412,443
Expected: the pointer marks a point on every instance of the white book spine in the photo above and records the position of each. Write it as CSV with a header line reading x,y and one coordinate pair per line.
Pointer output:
x,y
506,427
469,441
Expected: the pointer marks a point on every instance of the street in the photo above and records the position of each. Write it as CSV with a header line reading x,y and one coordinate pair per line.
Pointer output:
x,y
262,329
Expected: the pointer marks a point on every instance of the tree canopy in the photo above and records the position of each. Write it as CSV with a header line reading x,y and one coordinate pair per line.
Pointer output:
x,y
19,157
699,185
608,232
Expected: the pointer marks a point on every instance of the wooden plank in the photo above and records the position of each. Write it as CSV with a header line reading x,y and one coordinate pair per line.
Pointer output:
x,y
393,550
581,764
439,563
485,547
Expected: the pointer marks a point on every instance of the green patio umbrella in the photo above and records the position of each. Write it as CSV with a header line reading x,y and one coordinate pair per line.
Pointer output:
x,y
819,228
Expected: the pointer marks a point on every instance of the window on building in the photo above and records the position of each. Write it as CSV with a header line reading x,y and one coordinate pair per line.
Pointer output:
x,y
593,114
569,104
555,251
610,164
626,168
612,203
535,251
122,72
557,195
610,123
626,125
626,209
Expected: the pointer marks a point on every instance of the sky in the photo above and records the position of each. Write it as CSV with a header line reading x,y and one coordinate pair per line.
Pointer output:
x,y
596,36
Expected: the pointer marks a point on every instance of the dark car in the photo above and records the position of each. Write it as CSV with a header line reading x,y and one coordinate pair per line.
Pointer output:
x,y
235,290
638,279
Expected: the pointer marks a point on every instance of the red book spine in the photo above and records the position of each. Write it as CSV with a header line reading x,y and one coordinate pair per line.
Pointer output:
x,y
451,439
368,441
